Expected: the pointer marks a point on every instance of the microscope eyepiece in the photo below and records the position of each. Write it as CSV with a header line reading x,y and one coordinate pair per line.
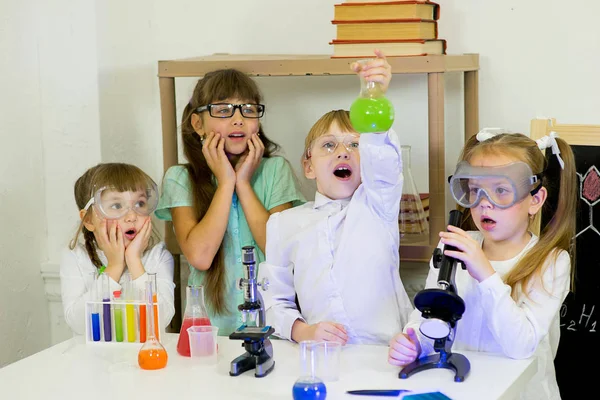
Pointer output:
x,y
248,255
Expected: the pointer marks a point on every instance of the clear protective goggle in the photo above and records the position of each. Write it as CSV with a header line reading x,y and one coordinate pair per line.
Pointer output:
x,y
328,144
503,186
114,204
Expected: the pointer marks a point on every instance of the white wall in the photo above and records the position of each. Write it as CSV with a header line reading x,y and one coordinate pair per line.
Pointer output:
x,y
81,85
23,312
50,130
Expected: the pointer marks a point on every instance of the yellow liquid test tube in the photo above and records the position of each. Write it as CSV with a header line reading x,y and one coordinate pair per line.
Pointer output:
x,y
131,327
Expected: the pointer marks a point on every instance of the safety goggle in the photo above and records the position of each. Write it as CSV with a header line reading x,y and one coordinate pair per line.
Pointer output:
x,y
114,204
328,144
503,186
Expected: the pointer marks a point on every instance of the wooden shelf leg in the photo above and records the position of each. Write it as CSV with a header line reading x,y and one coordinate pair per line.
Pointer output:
x,y
471,103
437,176
169,138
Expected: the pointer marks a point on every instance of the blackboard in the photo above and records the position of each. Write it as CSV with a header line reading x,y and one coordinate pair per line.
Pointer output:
x,y
579,346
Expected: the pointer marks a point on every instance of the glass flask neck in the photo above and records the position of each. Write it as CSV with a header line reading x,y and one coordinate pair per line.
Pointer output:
x,y
195,306
150,311
405,149
370,89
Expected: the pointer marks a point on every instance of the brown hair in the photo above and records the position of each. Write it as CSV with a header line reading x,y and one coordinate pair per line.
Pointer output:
x,y
124,178
559,232
321,127
215,86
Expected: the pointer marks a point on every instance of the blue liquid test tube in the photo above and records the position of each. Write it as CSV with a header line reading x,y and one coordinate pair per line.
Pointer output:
x,y
106,314
96,326
95,308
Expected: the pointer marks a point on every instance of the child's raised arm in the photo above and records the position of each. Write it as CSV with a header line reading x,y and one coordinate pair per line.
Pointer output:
x,y
381,173
380,154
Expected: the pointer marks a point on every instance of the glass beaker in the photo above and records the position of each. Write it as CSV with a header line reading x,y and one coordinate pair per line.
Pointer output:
x,y
371,111
195,315
152,355
309,386
412,220
203,344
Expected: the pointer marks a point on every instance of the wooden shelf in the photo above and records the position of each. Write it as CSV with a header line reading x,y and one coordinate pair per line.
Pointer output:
x,y
302,65
435,66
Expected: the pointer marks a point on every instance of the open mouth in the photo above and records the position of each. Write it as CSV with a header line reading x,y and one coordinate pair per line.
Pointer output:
x,y
343,172
487,223
237,135
130,233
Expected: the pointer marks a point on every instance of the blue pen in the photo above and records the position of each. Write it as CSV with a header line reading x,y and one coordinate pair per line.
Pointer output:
x,y
381,392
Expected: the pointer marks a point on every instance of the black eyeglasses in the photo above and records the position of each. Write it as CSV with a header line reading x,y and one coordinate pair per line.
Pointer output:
x,y
226,110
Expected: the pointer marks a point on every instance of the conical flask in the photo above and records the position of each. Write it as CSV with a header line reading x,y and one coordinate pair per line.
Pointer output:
x,y
195,314
412,220
371,111
152,355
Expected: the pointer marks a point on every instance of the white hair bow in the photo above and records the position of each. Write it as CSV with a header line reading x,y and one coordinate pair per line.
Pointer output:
x,y
488,133
550,141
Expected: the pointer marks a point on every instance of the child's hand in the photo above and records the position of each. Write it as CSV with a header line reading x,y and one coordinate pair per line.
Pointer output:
x,y
111,243
327,331
375,70
139,244
213,149
469,252
404,348
250,160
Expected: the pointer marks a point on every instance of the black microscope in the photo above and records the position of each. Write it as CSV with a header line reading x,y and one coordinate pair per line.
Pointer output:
x,y
254,330
441,308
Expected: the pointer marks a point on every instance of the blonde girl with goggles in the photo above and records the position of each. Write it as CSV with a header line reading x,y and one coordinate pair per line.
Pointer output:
x,y
515,281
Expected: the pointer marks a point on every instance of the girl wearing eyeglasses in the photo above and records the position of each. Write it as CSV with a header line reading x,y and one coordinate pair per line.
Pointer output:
x,y
115,237
221,199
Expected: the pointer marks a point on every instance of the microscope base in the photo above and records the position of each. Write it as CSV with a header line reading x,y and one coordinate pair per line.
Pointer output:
x,y
455,362
257,357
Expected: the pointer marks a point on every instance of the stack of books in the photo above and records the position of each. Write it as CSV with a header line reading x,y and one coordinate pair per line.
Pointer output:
x,y
398,28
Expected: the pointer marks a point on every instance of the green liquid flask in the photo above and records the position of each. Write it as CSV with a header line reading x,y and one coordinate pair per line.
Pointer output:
x,y
371,111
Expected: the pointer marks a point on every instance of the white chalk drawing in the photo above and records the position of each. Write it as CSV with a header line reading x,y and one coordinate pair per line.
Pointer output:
x,y
589,193
584,323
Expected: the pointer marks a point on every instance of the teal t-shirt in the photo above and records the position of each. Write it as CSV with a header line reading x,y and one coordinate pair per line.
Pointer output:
x,y
274,184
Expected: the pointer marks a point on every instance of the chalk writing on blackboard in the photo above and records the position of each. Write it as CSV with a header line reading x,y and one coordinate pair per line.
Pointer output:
x,y
589,192
586,322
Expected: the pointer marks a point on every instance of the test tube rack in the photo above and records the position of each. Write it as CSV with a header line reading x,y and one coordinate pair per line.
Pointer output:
x,y
127,332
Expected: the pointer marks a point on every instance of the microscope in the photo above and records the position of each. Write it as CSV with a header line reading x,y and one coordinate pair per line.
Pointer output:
x,y
254,330
441,308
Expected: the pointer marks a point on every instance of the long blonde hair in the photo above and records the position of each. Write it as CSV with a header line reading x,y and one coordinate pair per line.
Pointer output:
x,y
124,178
559,232
214,86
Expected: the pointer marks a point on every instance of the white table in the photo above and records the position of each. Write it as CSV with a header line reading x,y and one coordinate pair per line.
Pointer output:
x,y
104,371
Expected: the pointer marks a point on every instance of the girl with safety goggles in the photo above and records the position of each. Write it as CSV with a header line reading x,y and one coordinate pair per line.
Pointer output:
x,y
515,282
115,237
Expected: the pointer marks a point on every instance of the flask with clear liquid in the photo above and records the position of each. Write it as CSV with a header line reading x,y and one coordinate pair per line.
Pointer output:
x,y
195,315
412,220
371,111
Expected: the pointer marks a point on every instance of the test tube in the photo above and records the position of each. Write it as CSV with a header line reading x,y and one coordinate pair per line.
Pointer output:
x,y
106,314
95,308
142,317
152,278
130,311
118,309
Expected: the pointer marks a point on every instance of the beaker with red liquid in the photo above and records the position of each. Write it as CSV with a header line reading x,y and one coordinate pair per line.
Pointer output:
x,y
195,315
